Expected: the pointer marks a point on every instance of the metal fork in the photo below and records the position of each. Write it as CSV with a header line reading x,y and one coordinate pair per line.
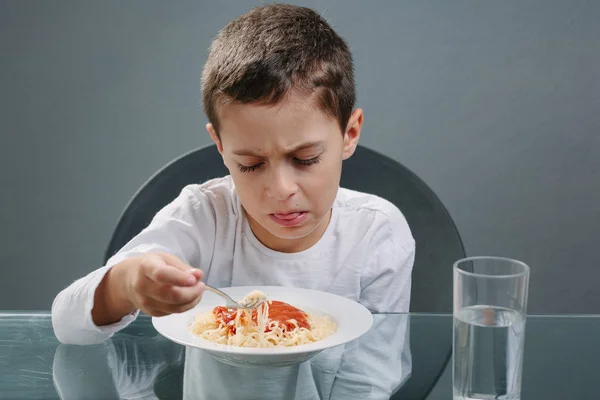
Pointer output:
x,y
230,303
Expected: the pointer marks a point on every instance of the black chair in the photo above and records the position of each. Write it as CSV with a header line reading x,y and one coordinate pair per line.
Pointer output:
x,y
438,241
164,186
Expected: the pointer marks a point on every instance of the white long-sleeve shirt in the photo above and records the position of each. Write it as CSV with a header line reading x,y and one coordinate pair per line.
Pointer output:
x,y
366,254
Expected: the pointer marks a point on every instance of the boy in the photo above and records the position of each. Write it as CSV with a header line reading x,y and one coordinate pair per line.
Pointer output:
x,y
278,91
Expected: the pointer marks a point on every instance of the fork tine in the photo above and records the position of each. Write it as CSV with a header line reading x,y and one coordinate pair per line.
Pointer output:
x,y
255,303
230,303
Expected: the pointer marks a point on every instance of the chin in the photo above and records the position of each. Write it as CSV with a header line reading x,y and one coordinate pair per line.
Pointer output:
x,y
292,233
295,232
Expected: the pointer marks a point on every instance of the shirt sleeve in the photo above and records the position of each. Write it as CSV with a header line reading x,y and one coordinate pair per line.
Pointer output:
x,y
378,363
184,228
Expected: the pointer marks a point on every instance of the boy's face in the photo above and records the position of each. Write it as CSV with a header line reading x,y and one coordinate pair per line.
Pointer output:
x,y
286,163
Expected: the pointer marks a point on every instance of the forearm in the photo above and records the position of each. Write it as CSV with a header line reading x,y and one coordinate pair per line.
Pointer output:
x,y
110,298
71,312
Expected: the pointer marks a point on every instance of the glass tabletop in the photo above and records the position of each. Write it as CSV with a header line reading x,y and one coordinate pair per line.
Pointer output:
x,y
561,361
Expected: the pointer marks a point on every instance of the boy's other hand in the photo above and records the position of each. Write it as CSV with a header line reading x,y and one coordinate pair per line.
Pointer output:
x,y
160,284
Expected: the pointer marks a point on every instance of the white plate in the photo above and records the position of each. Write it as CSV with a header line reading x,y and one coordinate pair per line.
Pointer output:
x,y
352,320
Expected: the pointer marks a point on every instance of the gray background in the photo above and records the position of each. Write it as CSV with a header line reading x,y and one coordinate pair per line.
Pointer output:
x,y
493,104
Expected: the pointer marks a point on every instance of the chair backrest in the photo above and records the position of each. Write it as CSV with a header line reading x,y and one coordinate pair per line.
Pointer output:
x,y
438,245
164,186
437,239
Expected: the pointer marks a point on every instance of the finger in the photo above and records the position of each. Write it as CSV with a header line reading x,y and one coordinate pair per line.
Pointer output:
x,y
198,273
175,261
174,295
176,309
157,308
169,275
151,307
179,264
156,313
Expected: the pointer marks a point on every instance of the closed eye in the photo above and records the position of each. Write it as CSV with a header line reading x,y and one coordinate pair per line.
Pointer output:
x,y
249,168
299,161
310,161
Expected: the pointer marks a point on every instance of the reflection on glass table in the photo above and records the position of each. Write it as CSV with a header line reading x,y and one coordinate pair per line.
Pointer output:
x,y
360,369
560,361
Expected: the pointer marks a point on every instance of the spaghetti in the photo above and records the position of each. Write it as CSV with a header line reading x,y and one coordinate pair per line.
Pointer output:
x,y
272,324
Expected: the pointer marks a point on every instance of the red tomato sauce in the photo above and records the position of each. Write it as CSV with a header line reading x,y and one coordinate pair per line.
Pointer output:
x,y
279,312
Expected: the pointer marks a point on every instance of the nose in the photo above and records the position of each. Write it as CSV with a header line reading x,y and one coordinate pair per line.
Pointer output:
x,y
282,184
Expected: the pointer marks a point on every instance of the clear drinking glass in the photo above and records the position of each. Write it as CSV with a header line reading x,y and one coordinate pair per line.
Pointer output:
x,y
490,307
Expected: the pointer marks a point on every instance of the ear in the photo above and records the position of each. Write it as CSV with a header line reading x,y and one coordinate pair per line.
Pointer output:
x,y
352,133
213,135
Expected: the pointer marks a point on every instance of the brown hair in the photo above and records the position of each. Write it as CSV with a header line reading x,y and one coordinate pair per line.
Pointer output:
x,y
262,55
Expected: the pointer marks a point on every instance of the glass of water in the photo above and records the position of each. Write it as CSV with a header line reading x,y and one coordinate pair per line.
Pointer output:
x,y
490,306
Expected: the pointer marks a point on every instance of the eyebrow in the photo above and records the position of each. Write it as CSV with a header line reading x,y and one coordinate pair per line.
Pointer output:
x,y
303,146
